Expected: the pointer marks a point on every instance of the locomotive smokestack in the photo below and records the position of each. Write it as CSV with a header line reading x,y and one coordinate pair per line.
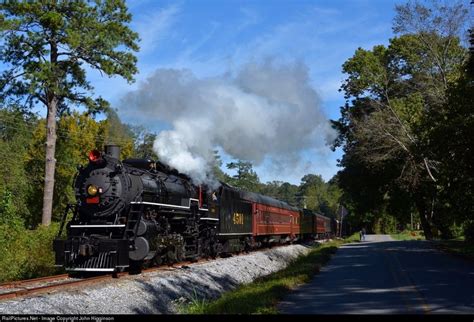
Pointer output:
x,y
113,151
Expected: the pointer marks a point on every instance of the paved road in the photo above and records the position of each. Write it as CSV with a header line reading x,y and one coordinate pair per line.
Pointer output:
x,y
382,276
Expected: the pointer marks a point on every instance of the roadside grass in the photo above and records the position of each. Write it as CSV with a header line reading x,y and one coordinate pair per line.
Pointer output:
x,y
457,247
409,235
262,295
354,238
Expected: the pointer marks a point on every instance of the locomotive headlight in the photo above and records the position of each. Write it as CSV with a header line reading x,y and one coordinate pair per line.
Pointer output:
x,y
92,190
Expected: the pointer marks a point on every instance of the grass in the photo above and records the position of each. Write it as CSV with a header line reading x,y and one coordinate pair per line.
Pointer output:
x,y
457,247
355,238
409,235
262,295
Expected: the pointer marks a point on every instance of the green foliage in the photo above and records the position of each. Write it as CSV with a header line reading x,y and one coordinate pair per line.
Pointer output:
x,y
26,253
458,247
116,132
406,121
144,143
77,135
312,191
469,231
385,224
246,178
320,196
40,243
47,43
354,238
8,211
45,47
280,190
15,135
408,235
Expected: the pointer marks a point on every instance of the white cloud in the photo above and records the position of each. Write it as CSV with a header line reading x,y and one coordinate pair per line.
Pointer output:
x,y
153,26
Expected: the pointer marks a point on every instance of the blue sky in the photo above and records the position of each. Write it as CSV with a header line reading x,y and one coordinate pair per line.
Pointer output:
x,y
212,38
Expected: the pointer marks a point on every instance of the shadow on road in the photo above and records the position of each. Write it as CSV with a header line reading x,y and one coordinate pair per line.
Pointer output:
x,y
390,277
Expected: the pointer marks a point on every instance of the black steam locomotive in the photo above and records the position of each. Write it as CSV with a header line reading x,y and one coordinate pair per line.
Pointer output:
x,y
139,212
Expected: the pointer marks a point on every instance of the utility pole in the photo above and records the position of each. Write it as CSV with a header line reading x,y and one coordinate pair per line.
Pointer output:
x,y
340,228
342,212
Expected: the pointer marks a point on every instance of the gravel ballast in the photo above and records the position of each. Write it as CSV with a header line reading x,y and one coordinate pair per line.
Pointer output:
x,y
158,292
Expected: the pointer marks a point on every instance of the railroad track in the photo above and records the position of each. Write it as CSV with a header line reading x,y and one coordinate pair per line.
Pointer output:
x,y
10,290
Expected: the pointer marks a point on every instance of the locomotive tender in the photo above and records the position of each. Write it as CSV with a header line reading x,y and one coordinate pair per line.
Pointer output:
x,y
139,212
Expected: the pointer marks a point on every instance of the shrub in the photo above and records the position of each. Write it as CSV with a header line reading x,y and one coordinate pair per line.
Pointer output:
x,y
12,249
469,231
26,253
40,246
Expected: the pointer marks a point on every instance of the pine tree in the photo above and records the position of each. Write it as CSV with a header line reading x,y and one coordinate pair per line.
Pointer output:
x,y
46,45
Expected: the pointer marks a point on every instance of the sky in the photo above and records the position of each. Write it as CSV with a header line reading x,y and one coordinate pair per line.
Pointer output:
x,y
214,39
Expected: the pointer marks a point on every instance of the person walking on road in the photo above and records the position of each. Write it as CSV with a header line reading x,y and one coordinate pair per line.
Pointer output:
x,y
362,234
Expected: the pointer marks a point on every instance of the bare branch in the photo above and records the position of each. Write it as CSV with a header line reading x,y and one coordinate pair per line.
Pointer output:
x,y
428,169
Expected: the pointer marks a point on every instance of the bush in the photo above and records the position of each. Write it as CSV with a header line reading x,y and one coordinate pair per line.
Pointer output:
x,y
12,247
457,231
40,246
386,224
469,231
26,253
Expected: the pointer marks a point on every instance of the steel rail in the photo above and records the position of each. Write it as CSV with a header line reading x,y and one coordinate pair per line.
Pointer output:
x,y
26,287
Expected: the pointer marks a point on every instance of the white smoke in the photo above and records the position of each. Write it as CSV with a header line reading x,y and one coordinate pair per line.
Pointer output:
x,y
266,110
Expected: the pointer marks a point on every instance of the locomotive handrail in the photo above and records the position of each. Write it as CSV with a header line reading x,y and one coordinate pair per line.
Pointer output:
x,y
168,205
97,226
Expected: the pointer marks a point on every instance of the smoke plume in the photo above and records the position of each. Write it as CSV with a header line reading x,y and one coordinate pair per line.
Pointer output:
x,y
265,110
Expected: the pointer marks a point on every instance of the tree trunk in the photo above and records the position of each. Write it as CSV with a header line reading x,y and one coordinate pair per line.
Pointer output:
x,y
425,223
50,163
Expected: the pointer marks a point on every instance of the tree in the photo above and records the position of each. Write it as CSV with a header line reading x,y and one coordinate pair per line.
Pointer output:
x,y
119,133
452,140
393,95
316,194
217,173
280,190
45,47
15,135
313,191
246,178
77,135
144,143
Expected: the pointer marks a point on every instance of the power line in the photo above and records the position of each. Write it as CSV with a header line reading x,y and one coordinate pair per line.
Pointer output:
x,y
60,133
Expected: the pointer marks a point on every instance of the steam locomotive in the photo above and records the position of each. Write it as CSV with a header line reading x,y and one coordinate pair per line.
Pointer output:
x,y
139,212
